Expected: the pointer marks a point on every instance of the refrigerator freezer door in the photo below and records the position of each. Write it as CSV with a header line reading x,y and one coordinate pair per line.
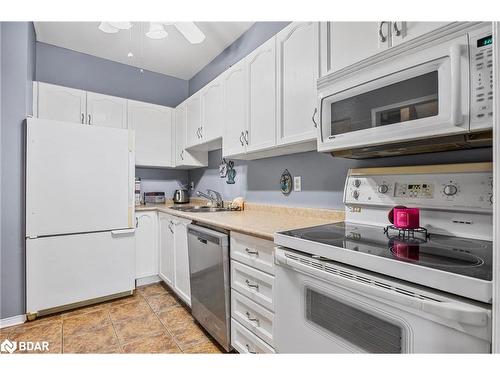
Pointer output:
x,y
79,178
62,270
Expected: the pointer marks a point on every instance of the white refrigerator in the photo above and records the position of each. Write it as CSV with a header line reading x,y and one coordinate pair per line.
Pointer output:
x,y
80,243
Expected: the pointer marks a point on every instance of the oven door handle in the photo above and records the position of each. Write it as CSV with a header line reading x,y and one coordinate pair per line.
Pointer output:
x,y
456,85
451,310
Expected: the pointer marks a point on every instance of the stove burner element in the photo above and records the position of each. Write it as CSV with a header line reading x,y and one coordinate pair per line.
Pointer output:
x,y
322,235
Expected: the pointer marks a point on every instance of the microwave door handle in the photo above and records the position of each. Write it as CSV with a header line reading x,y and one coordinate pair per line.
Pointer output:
x,y
458,312
456,85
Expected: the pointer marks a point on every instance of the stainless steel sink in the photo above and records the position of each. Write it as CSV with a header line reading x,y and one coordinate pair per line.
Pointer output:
x,y
199,208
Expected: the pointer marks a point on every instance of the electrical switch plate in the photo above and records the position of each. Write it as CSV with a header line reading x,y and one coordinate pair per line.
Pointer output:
x,y
297,183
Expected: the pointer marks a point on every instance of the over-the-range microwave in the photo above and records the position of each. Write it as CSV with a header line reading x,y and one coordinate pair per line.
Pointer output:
x,y
433,94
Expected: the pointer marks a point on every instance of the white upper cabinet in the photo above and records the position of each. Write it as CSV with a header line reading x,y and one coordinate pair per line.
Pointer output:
x,y
346,43
402,31
193,120
235,118
61,103
298,60
105,110
184,158
153,133
261,69
212,111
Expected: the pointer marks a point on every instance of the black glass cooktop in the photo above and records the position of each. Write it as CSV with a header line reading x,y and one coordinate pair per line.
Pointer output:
x,y
468,257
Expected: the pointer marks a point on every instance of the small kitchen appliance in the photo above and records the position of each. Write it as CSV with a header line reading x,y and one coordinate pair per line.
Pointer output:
x,y
181,196
154,197
422,283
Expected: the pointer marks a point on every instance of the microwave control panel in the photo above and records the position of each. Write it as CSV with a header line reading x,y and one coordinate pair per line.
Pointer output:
x,y
481,62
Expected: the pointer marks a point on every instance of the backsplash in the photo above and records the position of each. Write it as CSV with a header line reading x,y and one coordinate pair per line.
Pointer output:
x,y
166,180
323,176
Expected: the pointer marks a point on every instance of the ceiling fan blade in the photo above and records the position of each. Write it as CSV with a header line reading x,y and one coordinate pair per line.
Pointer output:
x,y
190,31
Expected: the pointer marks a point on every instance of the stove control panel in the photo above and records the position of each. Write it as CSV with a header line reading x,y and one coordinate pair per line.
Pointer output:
x,y
471,191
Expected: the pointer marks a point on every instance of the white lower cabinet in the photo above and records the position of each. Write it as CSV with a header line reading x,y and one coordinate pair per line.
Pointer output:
x,y
146,244
167,248
252,316
245,342
252,294
181,260
173,255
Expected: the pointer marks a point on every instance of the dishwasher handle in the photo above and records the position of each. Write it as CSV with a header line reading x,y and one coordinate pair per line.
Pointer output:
x,y
205,235
451,310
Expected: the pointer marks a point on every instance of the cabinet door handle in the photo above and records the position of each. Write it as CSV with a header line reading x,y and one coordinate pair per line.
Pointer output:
x,y
170,226
136,223
182,154
250,351
397,31
198,133
201,131
90,118
251,252
381,35
241,135
312,118
250,285
246,136
83,118
256,320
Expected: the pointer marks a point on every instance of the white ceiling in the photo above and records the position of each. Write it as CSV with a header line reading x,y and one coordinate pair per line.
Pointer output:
x,y
173,56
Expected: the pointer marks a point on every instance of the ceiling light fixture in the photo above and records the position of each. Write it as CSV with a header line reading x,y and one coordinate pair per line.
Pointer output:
x,y
189,30
156,31
107,28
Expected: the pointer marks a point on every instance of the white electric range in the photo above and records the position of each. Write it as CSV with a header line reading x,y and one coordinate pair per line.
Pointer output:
x,y
357,286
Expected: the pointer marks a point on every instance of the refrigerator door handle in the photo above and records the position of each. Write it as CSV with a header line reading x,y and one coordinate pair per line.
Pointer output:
x,y
121,232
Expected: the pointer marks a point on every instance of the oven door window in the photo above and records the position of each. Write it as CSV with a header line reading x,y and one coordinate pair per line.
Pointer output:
x,y
412,99
355,326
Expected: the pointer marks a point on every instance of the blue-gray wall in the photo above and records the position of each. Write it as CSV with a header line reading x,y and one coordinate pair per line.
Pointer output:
x,y
17,74
246,43
323,176
166,180
61,66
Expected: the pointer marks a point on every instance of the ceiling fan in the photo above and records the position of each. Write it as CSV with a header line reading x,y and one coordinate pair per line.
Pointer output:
x,y
157,30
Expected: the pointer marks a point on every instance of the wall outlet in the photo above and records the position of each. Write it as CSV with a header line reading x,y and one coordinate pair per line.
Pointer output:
x,y
297,183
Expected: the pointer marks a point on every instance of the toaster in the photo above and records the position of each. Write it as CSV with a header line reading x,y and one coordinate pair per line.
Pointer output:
x,y
154,197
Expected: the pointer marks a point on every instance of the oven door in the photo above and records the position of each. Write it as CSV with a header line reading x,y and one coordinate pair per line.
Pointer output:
x,y
321,307
417,95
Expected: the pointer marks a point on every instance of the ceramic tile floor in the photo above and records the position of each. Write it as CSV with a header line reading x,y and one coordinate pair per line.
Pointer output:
x,y
153,320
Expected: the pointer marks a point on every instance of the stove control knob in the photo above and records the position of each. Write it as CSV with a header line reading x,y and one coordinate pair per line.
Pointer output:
x,y
450,190
383,189
355,194
356,182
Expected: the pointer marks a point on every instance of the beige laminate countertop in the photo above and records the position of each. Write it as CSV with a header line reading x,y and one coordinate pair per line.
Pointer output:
x,y
256,220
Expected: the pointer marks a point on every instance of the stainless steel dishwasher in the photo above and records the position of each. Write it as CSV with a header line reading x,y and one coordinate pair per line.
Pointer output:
x,y
209,274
